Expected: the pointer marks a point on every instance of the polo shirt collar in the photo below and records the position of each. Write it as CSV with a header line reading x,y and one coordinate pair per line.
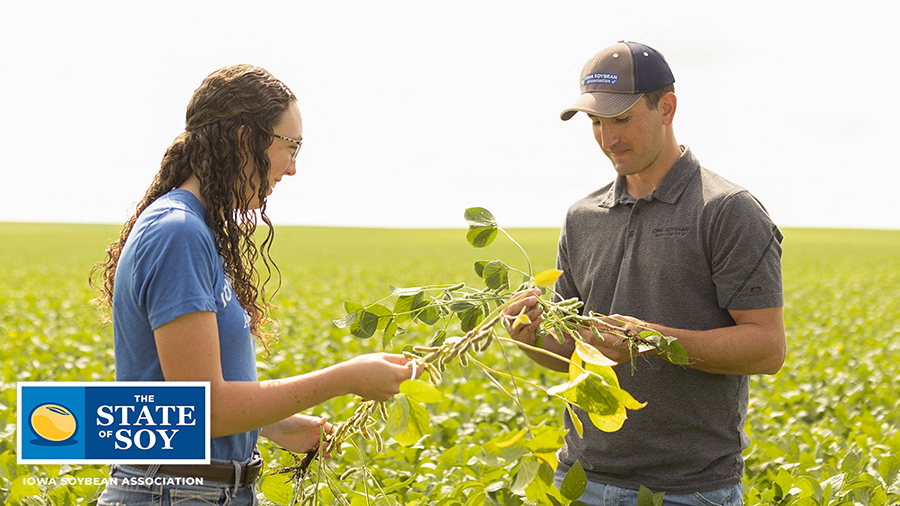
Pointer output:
x,y
671,187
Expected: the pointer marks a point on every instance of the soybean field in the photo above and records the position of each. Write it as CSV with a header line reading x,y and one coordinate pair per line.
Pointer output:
x,y
824,429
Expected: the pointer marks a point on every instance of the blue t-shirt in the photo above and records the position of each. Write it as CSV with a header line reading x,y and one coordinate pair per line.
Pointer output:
x,y
170,267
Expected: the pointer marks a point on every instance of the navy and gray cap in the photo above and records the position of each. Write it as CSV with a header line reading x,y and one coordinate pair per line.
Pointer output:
x,y
617,77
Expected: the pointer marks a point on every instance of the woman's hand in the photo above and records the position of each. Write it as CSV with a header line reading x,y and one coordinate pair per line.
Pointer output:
x,y
297,433
377,376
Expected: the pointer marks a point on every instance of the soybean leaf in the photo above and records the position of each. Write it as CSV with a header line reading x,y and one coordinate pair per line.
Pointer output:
x,y
479,216
390,330
889,468
479,267
574,483
579,427
471,318
516,436
398,417
420,391
406,303
408,421
481,237
426,313
528,470
496,275
646,497
406,291
461,306
603,402
547,439
276,489
366,326
372,318
547,278
348,319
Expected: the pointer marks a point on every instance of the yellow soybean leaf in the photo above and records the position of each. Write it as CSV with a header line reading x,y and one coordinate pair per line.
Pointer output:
x,y
592,355
512,440
522,319
579,427
547,278
610,423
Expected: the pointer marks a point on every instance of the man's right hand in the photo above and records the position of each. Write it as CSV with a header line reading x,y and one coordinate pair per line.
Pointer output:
x,y
524,302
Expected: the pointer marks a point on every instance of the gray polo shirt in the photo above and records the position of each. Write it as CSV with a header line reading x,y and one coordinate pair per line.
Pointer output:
x,y
681,257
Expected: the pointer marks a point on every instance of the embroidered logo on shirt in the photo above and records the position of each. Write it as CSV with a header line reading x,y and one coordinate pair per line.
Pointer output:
x,y
669,232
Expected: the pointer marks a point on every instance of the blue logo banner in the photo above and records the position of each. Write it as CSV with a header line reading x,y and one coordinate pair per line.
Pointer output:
x,y
113,423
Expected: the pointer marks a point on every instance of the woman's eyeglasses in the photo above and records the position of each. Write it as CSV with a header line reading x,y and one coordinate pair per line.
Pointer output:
x,y
296,142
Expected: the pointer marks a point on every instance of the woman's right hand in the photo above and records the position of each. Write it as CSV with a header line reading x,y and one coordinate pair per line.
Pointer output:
x,y
377,376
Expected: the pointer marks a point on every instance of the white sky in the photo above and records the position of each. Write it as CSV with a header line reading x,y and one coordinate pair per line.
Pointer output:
x,y
415,110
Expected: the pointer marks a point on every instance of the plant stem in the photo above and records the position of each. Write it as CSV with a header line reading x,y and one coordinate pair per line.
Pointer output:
x,y
527,260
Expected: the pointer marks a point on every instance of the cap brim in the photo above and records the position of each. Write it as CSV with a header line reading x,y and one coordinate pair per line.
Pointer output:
x,y
605,105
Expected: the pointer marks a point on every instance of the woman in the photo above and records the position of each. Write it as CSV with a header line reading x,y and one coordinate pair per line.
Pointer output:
x,y
186,300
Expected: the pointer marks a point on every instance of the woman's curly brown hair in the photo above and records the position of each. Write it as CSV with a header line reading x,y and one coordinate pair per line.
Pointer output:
x,y
230,118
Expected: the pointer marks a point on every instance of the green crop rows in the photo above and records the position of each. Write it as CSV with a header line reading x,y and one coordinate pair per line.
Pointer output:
x,y
824,429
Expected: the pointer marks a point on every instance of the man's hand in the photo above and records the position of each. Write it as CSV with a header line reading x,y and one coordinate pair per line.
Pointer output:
x,y
523,303
613,344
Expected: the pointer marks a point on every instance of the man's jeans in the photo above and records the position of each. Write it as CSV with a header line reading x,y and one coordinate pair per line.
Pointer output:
x,y
598,494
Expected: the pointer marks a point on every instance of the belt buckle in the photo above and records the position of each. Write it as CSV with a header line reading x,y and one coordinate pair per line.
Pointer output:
x,y
252,471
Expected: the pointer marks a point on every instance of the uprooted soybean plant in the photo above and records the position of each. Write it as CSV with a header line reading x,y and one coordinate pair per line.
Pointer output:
x,y
480,316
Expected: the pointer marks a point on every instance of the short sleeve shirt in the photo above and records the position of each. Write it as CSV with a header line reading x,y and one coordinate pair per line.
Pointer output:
x,y
168,268
683,256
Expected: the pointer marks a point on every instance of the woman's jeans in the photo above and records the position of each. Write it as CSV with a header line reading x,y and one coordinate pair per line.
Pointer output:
x,y
599,494
133,486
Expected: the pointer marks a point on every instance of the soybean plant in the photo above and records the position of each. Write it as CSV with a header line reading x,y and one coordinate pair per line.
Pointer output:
x,y
482,320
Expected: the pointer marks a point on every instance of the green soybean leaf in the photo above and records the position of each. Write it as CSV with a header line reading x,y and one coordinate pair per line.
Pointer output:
x,y
528,470
352,309
481,237
421,391
398,416
471,318
406,303
675,352
479,216
646,497
399,291
574,483
372,318
345,322
276,488
426,313
461,306
479,267
390,330
496,275
408,421
21,487
889,468
366,326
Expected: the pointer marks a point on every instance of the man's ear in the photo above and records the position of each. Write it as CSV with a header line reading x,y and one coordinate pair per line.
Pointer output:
x,y
667,105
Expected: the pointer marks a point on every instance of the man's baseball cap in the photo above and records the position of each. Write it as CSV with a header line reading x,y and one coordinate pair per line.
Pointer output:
x,y
617,77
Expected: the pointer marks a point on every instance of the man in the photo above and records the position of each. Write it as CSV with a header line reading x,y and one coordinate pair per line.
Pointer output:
x,y
671,246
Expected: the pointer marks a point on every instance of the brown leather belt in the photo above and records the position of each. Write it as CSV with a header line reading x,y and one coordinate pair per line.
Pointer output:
x,y
214,472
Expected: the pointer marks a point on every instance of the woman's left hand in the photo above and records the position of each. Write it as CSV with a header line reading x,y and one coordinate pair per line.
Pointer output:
x,y
297,433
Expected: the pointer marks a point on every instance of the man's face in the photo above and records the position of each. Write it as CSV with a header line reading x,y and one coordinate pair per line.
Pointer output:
x,y
633,140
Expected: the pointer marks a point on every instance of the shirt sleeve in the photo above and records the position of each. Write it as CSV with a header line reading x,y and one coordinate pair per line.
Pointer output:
x,y
175,270
746,255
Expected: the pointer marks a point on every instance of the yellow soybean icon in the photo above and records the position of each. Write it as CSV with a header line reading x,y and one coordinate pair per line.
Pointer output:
x,y
53,422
